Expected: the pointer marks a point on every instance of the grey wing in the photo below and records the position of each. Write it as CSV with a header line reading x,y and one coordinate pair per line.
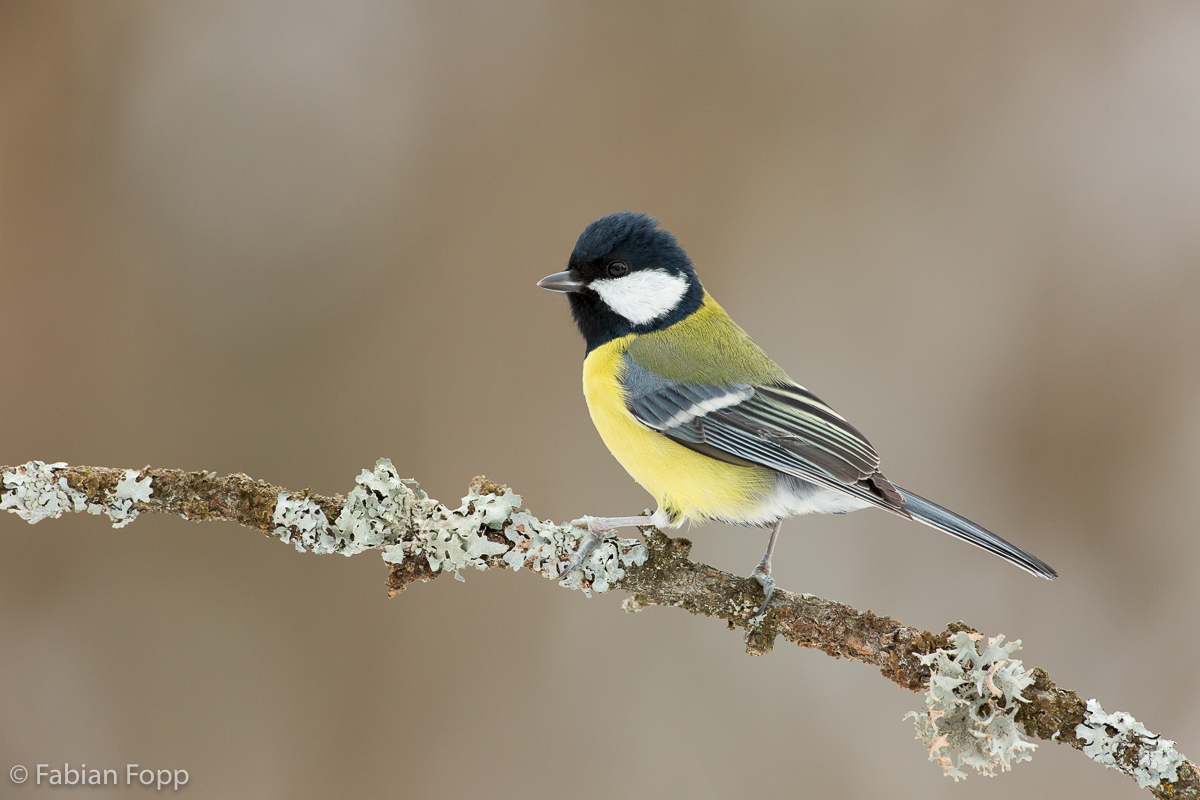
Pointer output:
x,y
785,428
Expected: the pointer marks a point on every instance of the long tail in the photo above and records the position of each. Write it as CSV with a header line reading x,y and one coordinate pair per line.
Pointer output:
x,y
943,519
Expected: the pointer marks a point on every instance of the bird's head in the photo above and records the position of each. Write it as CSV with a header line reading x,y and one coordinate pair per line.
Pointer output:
x,y
626,275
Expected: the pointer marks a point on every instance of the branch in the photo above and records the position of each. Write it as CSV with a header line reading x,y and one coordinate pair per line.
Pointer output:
x,y
422,539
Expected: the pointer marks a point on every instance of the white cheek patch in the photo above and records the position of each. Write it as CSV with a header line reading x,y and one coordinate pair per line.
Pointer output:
x,y
642,296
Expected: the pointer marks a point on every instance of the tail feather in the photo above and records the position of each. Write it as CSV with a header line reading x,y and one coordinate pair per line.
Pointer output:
x,y
943,519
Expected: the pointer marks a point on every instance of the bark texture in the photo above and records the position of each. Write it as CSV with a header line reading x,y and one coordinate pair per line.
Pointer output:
x,y
667,578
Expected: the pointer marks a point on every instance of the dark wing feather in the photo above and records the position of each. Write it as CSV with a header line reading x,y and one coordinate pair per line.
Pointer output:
x,y
783,427
944,519
808,464
788,429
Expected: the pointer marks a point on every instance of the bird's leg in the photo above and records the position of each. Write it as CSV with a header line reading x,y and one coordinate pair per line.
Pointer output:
x,y
762,574
596,528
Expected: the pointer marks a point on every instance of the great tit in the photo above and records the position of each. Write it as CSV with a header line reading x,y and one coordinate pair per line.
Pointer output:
x,y
702,418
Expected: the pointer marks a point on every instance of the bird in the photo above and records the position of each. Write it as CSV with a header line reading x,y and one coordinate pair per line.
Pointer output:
x,y
703,419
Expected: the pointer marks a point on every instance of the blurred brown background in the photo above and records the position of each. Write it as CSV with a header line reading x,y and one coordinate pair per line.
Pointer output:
x,y
291,238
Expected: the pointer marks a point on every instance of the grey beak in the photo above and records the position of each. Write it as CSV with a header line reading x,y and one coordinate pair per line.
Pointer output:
x,y
560,282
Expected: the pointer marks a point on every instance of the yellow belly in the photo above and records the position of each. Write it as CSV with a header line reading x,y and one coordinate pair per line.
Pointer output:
x,y
686,484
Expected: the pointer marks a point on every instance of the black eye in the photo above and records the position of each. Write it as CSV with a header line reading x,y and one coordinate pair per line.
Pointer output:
x,y
617,268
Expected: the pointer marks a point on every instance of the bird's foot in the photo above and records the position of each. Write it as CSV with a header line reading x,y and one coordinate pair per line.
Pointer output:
x,y
762,574
593,524
596,528
587,544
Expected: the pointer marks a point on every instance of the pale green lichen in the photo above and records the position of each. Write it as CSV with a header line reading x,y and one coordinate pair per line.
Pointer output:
x,y
394,514
451,540
303,523
547,548
970,704
379,511
397,516
1130,748
383,511
129,490
35,492
606,564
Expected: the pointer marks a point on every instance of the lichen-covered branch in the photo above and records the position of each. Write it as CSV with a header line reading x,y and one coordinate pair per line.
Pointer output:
x,y
978,699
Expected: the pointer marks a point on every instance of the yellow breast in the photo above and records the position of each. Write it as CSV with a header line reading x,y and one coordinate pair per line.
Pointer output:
x,y
687,485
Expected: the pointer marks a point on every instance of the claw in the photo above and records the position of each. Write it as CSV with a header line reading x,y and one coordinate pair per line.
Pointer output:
x,y
763,576
596,528
586,545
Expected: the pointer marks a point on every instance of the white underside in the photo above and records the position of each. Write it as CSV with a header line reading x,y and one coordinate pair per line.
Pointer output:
x,y
791,497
